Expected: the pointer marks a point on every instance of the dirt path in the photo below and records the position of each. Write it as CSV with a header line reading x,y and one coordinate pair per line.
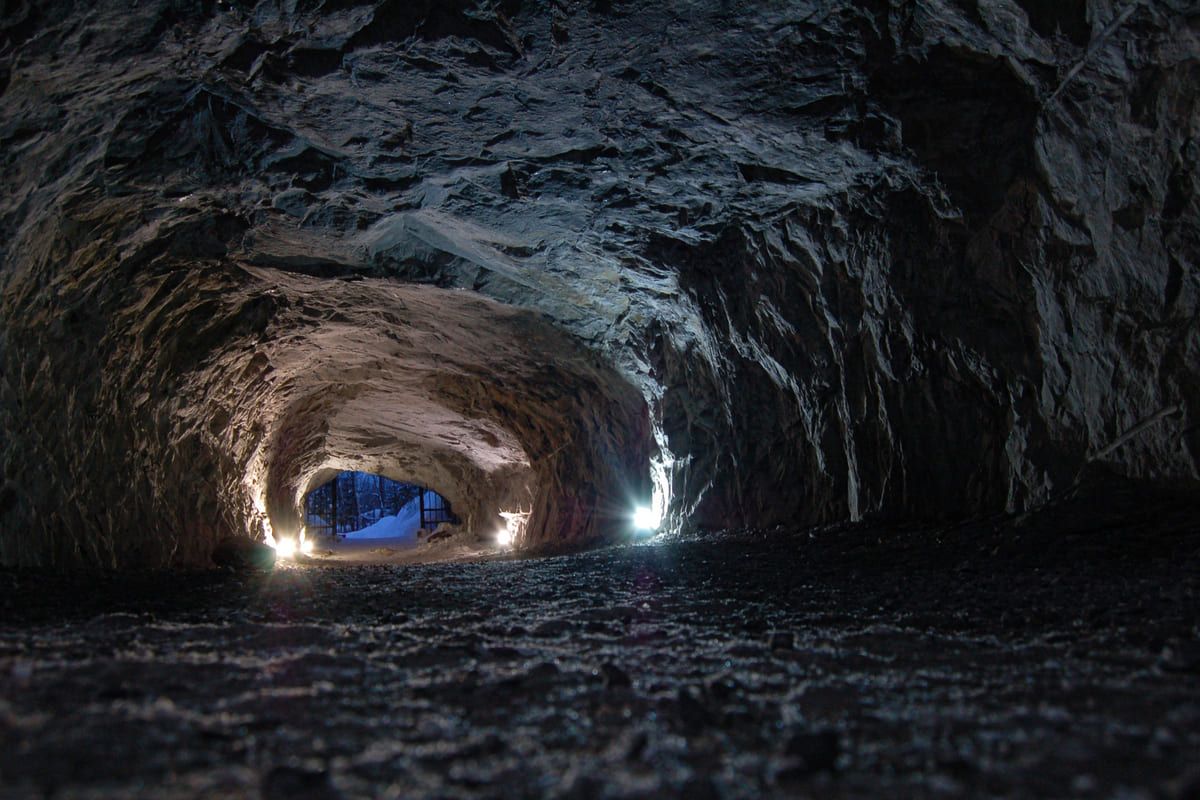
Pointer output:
x,y
863,664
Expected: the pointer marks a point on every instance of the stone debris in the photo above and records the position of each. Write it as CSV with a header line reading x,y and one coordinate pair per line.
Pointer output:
x,y
439,680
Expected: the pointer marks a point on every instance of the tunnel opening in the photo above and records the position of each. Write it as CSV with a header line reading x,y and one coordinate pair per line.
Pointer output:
x,y
369,505
522,437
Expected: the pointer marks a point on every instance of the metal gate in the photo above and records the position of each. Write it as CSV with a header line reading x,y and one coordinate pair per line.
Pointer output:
x,y
435,510
332,513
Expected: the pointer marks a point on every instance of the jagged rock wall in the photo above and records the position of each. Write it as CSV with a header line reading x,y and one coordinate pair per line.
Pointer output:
x,y
910,259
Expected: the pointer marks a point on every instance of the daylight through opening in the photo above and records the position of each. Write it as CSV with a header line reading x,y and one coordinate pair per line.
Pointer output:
x,y
367,506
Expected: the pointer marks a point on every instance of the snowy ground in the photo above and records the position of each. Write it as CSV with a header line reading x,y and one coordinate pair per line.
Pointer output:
x,y
399,527
406,550
395,540
1011,662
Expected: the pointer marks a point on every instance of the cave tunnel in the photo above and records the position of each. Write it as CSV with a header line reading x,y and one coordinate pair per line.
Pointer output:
x,y
488,404
513,398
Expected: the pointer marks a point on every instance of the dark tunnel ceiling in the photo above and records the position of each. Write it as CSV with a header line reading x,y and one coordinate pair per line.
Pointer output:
x,y
812,261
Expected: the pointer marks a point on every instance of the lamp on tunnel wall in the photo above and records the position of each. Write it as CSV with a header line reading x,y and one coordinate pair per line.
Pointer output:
x,y
287,547
514,526
646,519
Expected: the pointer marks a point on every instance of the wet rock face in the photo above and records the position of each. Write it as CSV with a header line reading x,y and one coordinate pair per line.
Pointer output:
x,y
821,261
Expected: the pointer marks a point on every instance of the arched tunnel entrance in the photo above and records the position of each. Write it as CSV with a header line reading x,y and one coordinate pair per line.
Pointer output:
x,y
360,507
500,412
237,389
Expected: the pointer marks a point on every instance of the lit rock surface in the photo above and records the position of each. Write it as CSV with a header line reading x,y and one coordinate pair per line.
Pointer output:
x,y
840,260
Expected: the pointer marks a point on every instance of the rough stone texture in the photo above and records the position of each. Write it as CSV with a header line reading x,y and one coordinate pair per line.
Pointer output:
x,y
1044,660
908,259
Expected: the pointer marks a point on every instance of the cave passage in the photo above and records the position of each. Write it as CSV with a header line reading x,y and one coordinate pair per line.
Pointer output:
x,y
493,409
266,385
799,399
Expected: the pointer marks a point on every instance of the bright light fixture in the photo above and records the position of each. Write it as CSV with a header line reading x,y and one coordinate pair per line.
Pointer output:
x,y
285,548
514,525
646,518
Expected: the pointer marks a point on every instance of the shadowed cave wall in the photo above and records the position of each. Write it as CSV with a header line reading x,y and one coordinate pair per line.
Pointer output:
x,y
811,261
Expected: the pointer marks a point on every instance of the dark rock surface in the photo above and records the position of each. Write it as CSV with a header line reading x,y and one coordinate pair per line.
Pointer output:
x,y
846,259
1034,660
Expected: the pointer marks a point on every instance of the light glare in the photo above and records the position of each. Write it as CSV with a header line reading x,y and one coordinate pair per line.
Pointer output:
x,y
285,548
514,526
645,518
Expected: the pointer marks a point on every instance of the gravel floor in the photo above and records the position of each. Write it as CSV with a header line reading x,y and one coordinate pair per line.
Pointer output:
x,y
862,662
